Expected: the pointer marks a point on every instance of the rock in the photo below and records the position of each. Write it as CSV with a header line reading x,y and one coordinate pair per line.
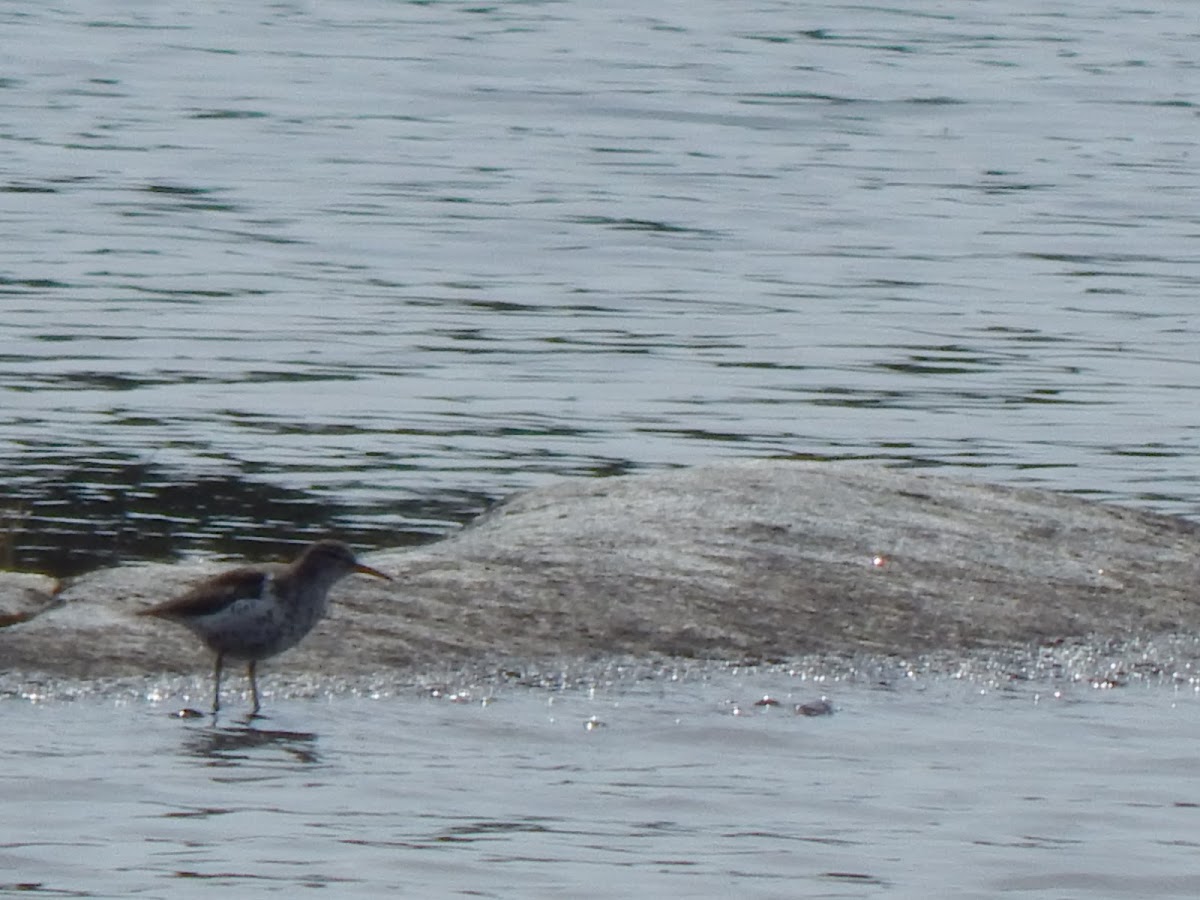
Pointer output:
x,y
24,596
760,560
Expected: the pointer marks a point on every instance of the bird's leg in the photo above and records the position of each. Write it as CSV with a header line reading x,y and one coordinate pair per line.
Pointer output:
x,y
217,683
253,686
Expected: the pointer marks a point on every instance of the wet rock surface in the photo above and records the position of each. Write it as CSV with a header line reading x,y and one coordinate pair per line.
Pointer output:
x,y
768,560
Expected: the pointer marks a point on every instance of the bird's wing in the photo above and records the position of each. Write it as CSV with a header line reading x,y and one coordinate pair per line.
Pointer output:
x,y
213,595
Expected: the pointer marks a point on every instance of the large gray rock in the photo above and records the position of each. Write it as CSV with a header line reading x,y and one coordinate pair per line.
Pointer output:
x,y
761,560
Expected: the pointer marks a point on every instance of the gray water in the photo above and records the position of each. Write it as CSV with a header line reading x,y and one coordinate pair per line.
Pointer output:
x,y
274,270
670,788
367,266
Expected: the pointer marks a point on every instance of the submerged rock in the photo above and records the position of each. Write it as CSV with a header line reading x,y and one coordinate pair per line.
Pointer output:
x,y
762,560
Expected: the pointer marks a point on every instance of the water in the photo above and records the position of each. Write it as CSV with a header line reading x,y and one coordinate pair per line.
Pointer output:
x,y
272,271
917,789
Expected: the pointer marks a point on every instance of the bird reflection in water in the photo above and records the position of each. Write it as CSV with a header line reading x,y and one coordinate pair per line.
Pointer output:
x,y
233,745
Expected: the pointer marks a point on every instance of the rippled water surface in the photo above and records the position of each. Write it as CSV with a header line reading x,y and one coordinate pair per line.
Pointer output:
x,y
931,789
365,266
270,270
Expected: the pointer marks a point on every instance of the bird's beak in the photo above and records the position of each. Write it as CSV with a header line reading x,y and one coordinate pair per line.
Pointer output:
x,y
367,570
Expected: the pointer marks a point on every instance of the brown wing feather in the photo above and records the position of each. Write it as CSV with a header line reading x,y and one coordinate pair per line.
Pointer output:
x,y
212,595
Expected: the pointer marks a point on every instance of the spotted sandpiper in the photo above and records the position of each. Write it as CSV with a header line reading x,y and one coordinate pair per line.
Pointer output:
x,y
254,612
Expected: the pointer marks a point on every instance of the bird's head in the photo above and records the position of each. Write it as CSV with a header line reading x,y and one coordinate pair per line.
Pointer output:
x,y
333,560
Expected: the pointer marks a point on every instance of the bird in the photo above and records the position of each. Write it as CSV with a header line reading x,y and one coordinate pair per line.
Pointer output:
x,y
253,612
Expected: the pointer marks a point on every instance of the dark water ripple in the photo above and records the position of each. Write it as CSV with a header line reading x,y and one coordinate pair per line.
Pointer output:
x,y
367,269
